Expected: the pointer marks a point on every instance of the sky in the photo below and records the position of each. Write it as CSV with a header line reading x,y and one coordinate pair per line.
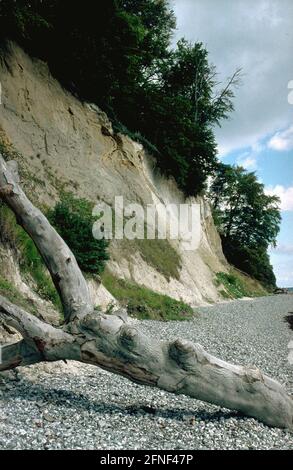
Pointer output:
x,y
256,36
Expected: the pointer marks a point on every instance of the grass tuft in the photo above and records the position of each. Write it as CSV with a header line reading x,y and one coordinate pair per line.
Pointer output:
x,y
144,303
13,295
235,285
30,262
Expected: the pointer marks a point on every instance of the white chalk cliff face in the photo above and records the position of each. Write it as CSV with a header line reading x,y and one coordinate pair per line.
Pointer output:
x,y
63,143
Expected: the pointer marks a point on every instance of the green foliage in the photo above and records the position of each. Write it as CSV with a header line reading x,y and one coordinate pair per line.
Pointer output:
x,y
72,218
159,254
118,127
237,285
176,109
248,220
143,303
30,261
120,58
253,261
3,149
243,211
169,99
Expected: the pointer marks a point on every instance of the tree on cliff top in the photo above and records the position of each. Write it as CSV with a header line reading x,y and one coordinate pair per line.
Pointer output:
x,y
248,220
118,54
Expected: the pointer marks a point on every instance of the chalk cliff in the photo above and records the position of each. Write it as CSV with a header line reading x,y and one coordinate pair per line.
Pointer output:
x,y
63,143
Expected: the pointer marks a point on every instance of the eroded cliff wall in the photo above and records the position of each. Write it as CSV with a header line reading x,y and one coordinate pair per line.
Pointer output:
x,y
62,143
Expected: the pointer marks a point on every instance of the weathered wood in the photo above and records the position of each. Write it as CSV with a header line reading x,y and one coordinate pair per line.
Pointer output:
x,y
50,343
115,344
59,259
18,354
182,367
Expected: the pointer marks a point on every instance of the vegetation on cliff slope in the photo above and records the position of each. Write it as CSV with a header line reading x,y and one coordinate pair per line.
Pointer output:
x,y
169,98
248,221
235,285
143,303
120,58
8,290
30,261
72,217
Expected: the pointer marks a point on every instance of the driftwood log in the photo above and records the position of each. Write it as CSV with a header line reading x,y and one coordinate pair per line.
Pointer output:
x,y
114,344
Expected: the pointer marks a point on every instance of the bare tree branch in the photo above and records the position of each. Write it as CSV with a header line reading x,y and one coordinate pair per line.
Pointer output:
x,y
60,261
184,368
234,80
113,343
18,354
48,341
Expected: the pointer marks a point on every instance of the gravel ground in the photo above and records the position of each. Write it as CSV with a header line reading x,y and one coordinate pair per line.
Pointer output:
x,y
76,406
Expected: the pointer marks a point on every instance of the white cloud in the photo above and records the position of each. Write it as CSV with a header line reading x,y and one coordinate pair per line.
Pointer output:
x,y
282,140
283,249
283,269
263,48
249,163
248,159
285,194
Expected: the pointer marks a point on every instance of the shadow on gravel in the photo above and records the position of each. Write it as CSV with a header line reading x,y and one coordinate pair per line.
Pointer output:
x,y
42,397
289,319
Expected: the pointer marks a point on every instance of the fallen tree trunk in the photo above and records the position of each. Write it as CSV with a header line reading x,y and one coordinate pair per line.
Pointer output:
x,y
113,343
